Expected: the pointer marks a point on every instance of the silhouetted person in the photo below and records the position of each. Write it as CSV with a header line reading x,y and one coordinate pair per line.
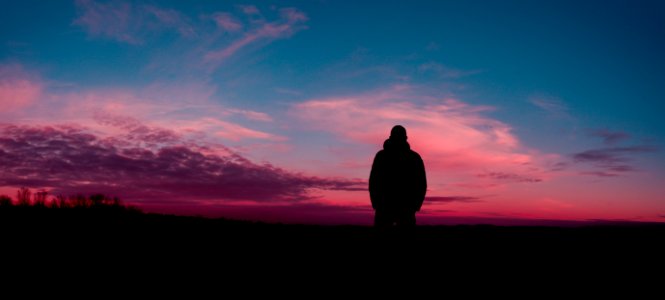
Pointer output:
x,y
397,182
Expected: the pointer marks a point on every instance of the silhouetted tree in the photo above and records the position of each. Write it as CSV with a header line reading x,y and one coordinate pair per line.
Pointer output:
x,y
5,200
53,203
79,201
62,201
23,196
39,198
97,199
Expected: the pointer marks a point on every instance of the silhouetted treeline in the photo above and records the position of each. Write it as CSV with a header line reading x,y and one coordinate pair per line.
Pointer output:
x,y
40,199
40,213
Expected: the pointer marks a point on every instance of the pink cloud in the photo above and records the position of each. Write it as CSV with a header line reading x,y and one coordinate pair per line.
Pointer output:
x,y
293,15
290,21
127,22
448,127
113,20
236,132
189,112
145,164
17,90
219,55
187,109
170,18
18,93
227,22
252,115
249,9
458,141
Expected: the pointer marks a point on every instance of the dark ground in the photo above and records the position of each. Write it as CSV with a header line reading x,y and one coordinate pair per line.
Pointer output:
x,y
119,226
89,241
114,243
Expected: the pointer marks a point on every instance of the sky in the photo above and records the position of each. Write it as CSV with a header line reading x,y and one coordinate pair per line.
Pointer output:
x,y
523,111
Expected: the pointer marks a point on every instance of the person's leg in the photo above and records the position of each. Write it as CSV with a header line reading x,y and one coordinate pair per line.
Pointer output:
x,y
383,219
407,220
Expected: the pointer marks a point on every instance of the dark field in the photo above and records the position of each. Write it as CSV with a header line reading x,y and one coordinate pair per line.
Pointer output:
x,y
116,226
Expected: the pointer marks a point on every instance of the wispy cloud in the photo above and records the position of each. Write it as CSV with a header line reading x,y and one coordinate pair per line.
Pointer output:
x,y
448,199
227,22
612,161
444,71
553,106
610,155
127,22
509,177
291,20
170,18
251,115
237,132
112,20
599,173
609,137
249,9
203,48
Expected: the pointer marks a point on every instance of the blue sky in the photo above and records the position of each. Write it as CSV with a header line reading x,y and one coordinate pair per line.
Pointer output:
x,y
601,59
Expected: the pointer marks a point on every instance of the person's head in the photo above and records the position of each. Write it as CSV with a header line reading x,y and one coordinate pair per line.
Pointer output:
x,y
398,133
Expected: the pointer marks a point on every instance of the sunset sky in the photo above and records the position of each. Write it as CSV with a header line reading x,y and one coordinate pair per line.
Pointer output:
x,y
273,111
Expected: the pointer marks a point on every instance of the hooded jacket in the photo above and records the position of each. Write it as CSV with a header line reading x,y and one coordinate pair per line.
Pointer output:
x,y
397,181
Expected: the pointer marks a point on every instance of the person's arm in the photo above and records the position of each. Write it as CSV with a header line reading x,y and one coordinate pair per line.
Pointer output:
x,y
421,182
375,180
